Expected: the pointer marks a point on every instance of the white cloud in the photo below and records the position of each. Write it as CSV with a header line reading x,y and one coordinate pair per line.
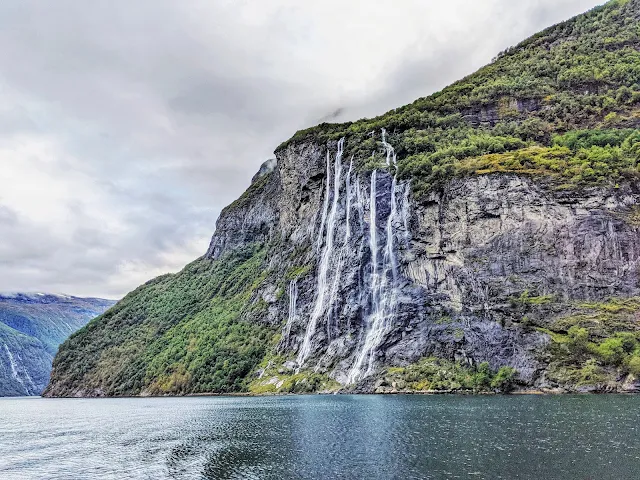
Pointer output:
x,y
125,127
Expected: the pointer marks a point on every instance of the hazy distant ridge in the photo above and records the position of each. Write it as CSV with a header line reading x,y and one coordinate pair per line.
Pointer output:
x,y
32,326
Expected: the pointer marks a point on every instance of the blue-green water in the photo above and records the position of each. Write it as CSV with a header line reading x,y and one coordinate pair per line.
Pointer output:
x,y
322,437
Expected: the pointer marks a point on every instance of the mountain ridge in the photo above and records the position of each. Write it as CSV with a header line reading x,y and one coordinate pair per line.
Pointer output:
x,y
479,239
32,325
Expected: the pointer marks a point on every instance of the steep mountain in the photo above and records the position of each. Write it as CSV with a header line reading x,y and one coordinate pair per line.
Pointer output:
x,y
32,326
485,237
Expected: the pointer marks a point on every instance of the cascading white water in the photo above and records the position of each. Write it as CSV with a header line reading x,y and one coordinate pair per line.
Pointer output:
x,y
324,296
389,150
373,237
14,370
384,277
390,254
382,291
355,372
359,197
404,212
293,300
332,252
348,220
325,205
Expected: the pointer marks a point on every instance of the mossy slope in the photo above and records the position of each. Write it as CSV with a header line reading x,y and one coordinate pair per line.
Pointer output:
x,y
177,334
562,106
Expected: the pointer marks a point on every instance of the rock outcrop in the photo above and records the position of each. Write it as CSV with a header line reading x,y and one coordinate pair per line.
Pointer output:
x,y
464,256
480,239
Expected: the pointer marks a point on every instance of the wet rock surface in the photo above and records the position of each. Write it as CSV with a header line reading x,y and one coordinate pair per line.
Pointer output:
x,y
441,273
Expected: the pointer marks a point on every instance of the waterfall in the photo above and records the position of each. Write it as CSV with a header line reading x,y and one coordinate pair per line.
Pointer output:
x,y
324,296
325,206
373,237
333,295
375,281
348,220
380,280
389,151
359,204
405,212
14,371
384,276
293,300
390,254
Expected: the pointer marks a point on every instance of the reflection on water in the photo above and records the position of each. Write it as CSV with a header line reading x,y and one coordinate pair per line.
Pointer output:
x,y
321,437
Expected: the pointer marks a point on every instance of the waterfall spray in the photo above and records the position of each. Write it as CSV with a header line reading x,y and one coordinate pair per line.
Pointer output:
x,y
325,206
384,277
389,151
405,212
389,254
348,220
373,235
293,300
324,289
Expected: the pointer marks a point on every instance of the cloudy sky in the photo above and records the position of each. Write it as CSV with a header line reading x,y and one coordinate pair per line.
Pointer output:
x,y
125,126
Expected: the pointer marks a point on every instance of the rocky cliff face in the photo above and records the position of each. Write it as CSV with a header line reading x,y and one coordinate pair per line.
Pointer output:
x,y
378,278
486,239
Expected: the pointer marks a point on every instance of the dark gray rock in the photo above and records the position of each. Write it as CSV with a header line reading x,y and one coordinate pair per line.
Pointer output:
x,y
462,255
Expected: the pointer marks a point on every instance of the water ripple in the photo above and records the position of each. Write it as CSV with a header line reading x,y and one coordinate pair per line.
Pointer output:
x,y
321,437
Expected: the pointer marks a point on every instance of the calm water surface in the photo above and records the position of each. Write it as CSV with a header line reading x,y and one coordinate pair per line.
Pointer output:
x,y
322,437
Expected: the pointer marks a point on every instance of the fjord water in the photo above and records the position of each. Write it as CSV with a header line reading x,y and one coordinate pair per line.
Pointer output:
x,y
321,437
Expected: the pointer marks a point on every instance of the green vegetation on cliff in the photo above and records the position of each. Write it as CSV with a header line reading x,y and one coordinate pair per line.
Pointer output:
x,y
597,345
272,378
563,106
177,334
550,106
438,374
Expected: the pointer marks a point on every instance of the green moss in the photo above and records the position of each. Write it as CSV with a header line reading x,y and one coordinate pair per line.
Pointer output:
x,y
298,271
614,305
303,382
458,334
597,345
178,334
437,374
631,216
271,376
594,165
602,319
263,388
588,374
526,299
396,370
444,320
563,104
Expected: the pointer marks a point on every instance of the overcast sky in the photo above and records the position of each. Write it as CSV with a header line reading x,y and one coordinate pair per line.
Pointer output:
x,y
126,126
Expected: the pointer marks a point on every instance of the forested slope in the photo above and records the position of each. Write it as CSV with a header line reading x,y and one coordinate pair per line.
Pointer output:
x,y
479,238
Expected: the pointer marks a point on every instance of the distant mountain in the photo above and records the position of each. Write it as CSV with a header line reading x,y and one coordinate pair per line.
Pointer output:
x,y
31,328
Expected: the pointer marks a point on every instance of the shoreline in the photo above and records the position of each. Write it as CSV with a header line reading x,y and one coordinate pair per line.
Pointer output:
x,y
523,392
